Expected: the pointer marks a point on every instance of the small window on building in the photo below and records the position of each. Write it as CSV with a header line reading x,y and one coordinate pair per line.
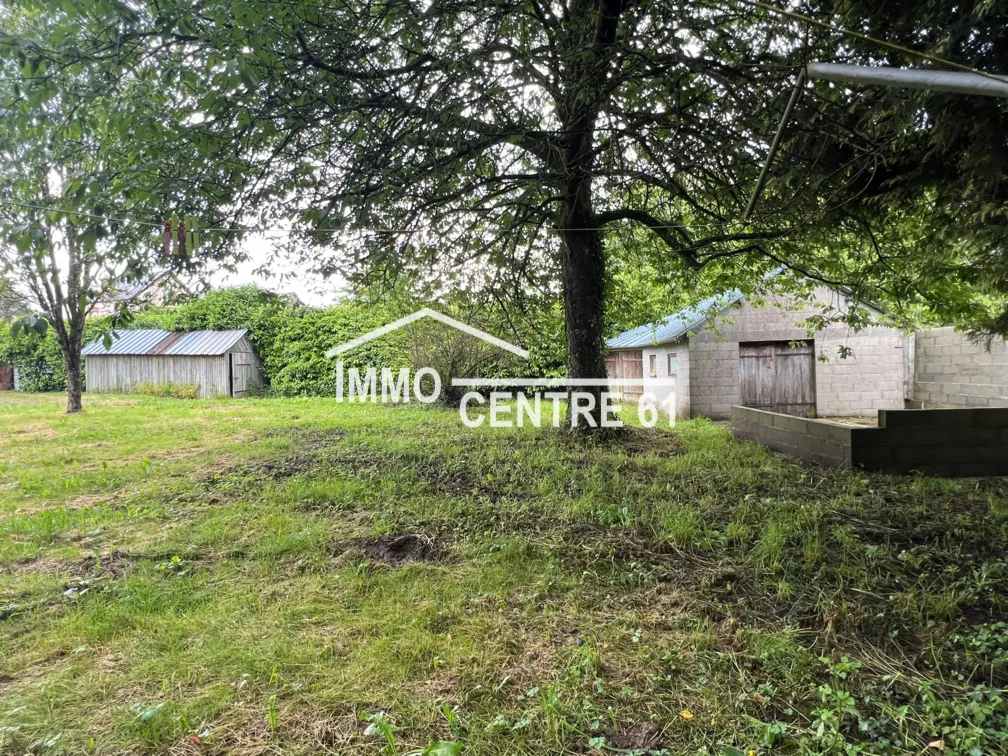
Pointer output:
x,y
653,365
672,365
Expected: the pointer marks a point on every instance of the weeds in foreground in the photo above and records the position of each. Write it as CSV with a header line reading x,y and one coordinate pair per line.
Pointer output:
x,y
221,574
379,726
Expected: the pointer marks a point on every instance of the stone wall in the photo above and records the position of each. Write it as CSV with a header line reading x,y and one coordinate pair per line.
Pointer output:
x,y
875,377
951,370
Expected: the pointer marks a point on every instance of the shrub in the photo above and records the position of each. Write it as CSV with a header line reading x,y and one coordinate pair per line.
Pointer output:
x,y
37,358
292,340
295,361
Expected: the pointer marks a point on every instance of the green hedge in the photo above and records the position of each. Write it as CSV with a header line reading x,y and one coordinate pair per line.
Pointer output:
x,y
290,339
37,358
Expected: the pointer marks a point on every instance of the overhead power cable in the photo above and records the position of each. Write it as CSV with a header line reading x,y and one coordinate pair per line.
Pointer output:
x,y
291,231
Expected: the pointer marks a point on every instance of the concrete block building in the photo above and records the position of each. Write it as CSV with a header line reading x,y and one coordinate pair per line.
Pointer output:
x,y
729,351
951,370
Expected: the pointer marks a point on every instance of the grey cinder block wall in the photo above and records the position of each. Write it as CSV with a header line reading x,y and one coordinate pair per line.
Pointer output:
x,y
875,377
950,370
947,442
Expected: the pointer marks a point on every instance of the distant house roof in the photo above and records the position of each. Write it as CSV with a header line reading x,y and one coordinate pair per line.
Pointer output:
x,y
158,342
132,291
675,326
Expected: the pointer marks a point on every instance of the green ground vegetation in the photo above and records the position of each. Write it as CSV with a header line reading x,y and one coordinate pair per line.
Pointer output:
x,y
298,576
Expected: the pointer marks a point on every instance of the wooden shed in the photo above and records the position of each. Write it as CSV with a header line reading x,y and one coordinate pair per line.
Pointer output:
x,y
219,363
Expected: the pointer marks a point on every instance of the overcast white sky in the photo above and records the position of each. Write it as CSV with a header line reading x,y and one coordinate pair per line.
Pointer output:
x,y
285,276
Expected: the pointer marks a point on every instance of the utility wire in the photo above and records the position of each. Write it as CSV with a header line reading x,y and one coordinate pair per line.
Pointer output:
x,y
290,231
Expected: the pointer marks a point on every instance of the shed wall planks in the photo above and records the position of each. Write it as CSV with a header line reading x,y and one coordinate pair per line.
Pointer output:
x,y
114,373
213,374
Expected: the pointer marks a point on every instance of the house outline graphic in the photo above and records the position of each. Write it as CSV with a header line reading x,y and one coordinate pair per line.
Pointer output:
x,y
426,312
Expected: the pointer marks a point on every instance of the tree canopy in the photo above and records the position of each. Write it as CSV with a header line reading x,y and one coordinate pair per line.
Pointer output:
x,y
522,144
82,158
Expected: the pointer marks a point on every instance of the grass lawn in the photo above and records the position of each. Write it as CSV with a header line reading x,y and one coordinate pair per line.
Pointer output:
x,y
261,576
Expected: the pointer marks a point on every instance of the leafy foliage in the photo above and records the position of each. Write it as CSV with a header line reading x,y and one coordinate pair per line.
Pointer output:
x,y
82,157
37,357
12,304
530,148
290,339
926,170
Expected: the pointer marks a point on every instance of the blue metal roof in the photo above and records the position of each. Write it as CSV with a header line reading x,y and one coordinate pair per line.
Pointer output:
x,y
674,327
158,342
129,342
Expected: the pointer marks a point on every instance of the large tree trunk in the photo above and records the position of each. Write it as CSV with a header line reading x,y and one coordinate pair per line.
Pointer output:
x,y
583,276
582,256
583,280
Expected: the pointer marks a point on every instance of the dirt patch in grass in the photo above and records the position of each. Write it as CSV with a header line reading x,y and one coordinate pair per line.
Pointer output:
x,y
397,550
40,565
86,502
285,467
305,456
40,431
300,729
638,441
95,566
307,437
642,737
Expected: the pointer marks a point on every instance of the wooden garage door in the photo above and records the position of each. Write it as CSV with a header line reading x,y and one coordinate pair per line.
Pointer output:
x,y
627,364
778,376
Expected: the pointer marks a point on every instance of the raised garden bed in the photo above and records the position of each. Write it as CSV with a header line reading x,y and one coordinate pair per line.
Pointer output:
x,y
944,442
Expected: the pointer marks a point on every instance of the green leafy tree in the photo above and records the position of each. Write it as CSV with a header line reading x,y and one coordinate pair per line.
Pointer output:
x,y
82,157
918,178
58,179
513,142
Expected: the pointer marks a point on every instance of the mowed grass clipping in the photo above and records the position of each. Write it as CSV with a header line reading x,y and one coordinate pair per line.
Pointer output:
x,y
300,576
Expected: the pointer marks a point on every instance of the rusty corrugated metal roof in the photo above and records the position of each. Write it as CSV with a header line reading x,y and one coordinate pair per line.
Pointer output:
x,y
162,348
157,342
196,343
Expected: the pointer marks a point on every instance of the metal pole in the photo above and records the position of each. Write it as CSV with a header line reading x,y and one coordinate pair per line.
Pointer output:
x,y
959,82
774,145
